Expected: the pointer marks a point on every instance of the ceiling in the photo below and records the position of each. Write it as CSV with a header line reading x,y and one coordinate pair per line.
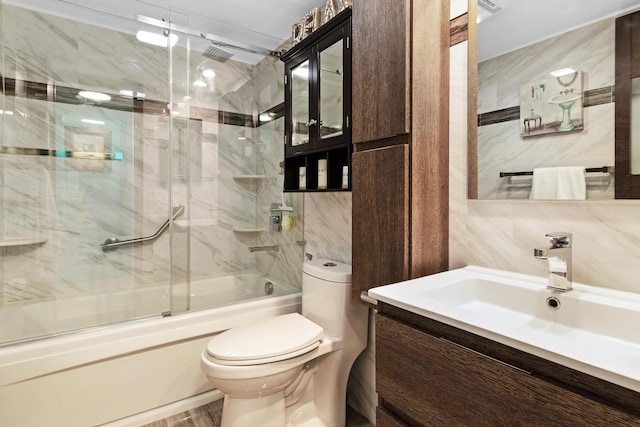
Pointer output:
x,y
520,23
262,23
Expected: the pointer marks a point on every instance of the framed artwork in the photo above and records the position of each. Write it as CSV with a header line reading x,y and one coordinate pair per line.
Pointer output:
x,y
552,106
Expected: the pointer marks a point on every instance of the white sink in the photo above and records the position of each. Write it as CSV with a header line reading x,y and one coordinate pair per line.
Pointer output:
x,y
594,330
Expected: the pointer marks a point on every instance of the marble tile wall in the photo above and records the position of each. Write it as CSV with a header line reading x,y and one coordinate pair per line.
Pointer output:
x,y
132,197
502,233
501,148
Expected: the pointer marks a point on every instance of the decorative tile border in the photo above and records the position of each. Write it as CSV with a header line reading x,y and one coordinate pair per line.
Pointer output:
x,y
68,95
603,95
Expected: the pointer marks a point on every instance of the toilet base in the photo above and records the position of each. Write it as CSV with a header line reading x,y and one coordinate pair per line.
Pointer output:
x,y
265,411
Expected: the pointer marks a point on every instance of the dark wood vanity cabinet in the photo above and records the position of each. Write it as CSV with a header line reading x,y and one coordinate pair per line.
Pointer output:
x,y
430,374
318,108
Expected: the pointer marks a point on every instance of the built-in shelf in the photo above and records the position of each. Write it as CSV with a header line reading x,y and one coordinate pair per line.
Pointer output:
x,y
21,241
247,229
249,177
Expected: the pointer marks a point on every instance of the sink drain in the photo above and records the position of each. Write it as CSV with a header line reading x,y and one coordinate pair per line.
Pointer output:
x,y
553,302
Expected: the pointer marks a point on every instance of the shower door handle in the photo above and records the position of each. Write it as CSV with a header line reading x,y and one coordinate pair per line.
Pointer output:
x,y
113,243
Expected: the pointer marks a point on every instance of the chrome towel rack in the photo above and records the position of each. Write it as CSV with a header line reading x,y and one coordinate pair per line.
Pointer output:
x,y
603,169
113,243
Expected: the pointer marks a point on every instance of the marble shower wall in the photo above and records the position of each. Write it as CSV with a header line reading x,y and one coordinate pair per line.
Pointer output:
x,y
502,233
93,200
589,49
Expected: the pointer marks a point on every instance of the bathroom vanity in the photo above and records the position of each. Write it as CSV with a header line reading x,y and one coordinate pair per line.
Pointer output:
x,y
436,369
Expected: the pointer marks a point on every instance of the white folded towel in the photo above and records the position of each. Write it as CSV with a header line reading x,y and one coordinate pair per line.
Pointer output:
x,y
560,183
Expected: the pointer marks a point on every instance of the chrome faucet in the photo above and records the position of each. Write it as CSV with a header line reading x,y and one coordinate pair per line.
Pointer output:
x,y
275,218
558,257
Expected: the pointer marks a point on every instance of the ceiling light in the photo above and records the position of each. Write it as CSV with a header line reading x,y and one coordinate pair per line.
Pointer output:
x,y
562,72
208,73
94,96
200,83
266,117
301,72
92,121
157,39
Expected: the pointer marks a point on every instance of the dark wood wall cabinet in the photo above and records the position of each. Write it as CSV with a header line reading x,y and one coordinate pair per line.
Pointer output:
x,y
432,374
400,107
318,109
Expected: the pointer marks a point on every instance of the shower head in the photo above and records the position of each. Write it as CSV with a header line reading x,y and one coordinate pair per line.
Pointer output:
x,y
217,54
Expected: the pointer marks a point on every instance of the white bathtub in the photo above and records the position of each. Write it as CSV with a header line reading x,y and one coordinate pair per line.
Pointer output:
x,y
27,320
110,373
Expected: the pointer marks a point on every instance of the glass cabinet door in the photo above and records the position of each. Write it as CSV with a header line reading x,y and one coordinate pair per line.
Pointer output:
x,y
318,96
331,91
300,77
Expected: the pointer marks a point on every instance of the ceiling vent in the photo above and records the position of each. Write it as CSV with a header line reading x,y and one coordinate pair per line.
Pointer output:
x,y
487,8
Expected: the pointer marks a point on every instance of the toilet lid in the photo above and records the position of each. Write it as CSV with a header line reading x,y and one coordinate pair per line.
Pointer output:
x,y
268,340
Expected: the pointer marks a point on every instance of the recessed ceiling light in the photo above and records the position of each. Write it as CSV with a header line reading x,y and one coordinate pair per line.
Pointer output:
x,y
157,39
92,121
301,72
94,96
266,117
208,73
562,72
200,83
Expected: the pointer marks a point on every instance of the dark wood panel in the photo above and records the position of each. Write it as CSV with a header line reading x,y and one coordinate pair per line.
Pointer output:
x,y
386,419
380,217
627,186
472,102
459,29
381,69
430,138
578,382
440,383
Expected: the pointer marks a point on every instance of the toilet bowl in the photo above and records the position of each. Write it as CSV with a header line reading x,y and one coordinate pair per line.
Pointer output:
x,y
292,369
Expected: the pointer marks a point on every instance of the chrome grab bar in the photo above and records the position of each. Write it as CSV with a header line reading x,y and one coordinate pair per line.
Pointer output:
x,y
113,243
275,248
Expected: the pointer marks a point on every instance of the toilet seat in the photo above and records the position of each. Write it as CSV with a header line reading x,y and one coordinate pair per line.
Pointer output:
x,y
271,340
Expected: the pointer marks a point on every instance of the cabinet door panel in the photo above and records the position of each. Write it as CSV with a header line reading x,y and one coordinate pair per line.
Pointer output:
x,y
381,70
436,382
380,183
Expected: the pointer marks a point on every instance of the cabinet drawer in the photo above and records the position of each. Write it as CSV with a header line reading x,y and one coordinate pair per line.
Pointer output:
x,y
435,382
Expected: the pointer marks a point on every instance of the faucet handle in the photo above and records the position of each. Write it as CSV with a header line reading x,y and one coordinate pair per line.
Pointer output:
x,y
560,239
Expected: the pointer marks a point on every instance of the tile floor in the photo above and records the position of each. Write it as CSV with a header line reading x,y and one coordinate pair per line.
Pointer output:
x,y
209,416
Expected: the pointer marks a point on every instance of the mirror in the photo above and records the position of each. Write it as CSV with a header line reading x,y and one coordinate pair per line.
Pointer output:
x,y
331,89
300,107
545,99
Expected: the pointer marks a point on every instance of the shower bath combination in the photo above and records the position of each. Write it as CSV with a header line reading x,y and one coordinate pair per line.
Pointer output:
x,y
133,202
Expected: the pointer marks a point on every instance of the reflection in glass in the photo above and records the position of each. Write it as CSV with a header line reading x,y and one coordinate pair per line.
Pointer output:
x,y
300,104
635,126
331,108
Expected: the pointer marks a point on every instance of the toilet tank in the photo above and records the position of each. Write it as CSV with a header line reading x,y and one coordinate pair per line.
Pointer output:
x,y
326,296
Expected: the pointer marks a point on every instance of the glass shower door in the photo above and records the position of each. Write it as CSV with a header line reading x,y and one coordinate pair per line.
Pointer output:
x,y
83,156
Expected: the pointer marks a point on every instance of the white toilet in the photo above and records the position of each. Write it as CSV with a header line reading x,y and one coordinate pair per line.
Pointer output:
x,y
292,370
